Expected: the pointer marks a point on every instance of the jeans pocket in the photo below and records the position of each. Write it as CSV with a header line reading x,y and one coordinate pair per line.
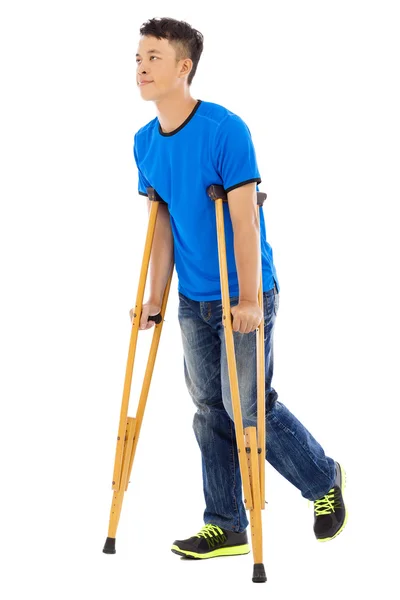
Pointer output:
x,y
184,306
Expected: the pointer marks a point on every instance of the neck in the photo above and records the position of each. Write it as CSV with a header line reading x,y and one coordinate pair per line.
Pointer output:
x,y
173,110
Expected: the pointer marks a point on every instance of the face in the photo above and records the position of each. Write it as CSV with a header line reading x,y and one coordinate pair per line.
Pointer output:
x,y
156,63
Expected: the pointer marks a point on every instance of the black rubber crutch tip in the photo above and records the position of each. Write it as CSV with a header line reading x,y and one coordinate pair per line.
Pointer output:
x,y
109,546
259,575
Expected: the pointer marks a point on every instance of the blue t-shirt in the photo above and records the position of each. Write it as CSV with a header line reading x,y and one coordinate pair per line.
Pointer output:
x,y
213,145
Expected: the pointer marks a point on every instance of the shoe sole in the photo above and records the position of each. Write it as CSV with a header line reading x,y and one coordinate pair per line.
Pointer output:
x,y
344,477
228,551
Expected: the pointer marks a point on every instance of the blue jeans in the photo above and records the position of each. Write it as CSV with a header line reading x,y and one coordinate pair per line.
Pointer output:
x,y
290,448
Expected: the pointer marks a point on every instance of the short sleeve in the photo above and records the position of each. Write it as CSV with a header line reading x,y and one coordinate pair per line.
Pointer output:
x,y
143,184
234,153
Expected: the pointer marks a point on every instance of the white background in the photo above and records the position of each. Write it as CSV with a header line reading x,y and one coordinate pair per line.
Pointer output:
x,y
317,83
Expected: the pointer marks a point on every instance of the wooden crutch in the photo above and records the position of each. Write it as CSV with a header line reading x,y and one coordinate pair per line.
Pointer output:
x,y
251,449
129,428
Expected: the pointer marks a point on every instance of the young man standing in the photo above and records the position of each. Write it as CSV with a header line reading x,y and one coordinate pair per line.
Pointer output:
x,y
190,145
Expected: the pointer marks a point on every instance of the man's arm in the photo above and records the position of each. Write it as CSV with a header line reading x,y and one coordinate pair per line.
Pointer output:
x,y
162,254
242,202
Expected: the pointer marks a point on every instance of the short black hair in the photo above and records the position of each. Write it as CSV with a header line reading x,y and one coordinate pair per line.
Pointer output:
x,y
188,41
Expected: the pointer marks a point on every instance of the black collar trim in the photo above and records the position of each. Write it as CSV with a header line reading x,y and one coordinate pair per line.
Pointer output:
x,y
183,124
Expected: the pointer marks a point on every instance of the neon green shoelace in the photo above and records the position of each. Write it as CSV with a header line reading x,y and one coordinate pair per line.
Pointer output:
x,y
325,505
209,530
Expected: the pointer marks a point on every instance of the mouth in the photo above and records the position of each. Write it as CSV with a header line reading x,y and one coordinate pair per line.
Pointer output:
x,y
141,84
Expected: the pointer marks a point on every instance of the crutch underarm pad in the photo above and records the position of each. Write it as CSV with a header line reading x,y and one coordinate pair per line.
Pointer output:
x,y
217,191
154,197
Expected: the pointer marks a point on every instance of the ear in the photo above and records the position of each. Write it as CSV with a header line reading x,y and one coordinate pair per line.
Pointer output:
x,y
186,67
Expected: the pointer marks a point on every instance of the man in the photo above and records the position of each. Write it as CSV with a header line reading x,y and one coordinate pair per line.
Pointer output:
x,y
188,146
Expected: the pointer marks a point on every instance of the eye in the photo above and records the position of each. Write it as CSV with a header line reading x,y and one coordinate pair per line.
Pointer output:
x,y
153,56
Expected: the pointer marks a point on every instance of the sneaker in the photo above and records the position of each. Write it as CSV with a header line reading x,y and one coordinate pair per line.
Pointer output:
x,y
330,514
212,541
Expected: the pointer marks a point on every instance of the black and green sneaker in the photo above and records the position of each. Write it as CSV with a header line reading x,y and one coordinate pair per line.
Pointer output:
x,y
330,514
212,541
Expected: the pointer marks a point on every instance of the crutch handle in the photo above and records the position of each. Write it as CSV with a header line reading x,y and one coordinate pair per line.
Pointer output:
x,y
216,191
156,318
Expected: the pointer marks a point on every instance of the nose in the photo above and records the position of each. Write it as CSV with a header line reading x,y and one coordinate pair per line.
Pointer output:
x,y
142,67
142,72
